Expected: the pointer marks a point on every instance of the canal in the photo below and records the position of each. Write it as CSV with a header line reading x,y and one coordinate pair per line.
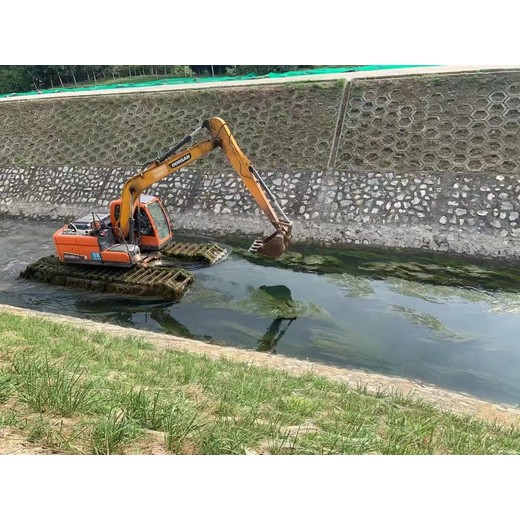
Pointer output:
x,y
438,320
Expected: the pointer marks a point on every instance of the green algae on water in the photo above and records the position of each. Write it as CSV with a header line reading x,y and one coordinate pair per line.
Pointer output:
x,y
353,286
427,320
264,301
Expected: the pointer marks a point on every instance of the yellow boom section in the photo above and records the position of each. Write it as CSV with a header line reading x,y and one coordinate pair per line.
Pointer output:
x,y
138,183
221,136
243,166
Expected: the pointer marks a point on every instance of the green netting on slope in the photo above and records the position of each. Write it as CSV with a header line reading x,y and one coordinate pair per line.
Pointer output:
x,y
333,70
180,81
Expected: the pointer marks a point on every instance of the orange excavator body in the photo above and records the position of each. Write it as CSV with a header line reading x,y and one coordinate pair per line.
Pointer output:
x,y
91,239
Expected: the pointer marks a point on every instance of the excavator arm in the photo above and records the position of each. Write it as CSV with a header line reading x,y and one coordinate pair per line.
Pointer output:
x,y
273,245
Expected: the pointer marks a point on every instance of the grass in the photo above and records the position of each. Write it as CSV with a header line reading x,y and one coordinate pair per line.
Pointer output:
x,y
179,424
112,432
53,387
65,390
6,386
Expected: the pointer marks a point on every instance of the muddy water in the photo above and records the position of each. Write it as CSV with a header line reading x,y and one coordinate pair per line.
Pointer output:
x,y
453,324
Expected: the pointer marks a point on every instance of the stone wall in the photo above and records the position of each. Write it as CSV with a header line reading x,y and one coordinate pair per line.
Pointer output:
x,y
460,213
426,162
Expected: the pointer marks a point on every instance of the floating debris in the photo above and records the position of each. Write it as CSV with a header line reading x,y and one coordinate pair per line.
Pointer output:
x,y
298,261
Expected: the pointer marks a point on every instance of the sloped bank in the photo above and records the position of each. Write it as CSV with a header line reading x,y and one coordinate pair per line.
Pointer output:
x,y
421,162
444,400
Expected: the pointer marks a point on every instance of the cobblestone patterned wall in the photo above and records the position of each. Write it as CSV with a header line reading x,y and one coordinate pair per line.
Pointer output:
x,y
473,214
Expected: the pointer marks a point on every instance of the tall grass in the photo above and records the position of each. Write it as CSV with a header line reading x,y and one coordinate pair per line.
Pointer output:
x,y
6,386
62,388
143,408
180,423
112,432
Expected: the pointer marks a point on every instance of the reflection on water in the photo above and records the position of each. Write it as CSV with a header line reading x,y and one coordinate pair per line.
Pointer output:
x,y
275,332
279,326
429,318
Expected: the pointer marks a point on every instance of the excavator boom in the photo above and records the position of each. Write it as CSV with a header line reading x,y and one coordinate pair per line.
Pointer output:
x,y
273,245
173,160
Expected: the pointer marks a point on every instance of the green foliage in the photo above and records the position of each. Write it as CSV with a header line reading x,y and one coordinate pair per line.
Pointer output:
x,y
40,431
23,78
181,421
6,386
14,79
225,437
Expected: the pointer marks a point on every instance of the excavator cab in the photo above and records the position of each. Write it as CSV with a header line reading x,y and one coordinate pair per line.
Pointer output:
x,y
152,225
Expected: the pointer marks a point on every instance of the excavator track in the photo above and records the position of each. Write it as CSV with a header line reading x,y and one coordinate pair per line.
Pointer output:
x,y
137,280
211,253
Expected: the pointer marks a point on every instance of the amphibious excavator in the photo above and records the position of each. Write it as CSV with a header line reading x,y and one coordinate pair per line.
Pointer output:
x,y
127,249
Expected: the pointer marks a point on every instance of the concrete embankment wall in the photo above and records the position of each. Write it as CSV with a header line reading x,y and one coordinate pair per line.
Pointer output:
x,y
430,162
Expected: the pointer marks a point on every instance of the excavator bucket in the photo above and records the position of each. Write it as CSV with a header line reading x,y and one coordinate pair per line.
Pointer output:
x,y
274,245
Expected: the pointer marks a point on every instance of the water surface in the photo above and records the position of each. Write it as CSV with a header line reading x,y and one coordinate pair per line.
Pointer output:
x,y
388,313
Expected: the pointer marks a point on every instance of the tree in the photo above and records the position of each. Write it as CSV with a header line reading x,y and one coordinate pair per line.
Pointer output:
x,y
261,70
14,79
